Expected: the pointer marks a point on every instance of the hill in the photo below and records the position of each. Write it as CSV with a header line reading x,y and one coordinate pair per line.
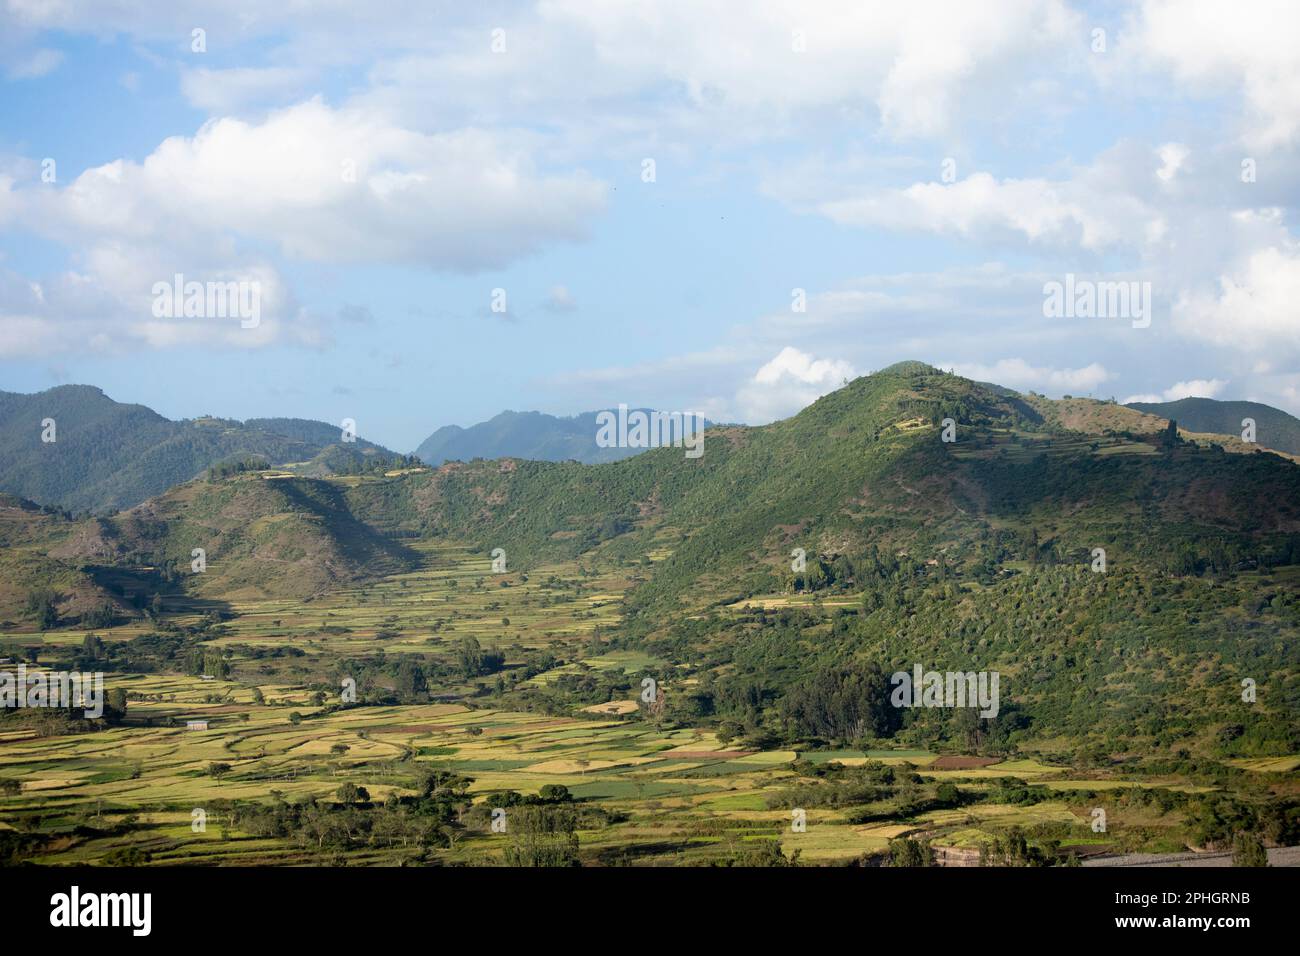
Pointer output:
x,y
532,435
940,522
1274,428
864,468
107,455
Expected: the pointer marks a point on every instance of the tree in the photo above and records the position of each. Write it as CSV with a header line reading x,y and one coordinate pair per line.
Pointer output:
x,y
1247,850
844,704
542,836
909,852
93,647
350,793
411,681
116,703
42,607
102,616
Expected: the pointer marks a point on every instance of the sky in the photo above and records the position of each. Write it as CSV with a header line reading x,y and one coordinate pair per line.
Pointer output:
x,y
446,210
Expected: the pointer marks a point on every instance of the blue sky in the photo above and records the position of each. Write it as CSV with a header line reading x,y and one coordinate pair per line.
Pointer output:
x,y
919,171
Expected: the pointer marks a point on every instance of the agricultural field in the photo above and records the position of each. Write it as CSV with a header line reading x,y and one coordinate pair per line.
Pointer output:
x,y
643,790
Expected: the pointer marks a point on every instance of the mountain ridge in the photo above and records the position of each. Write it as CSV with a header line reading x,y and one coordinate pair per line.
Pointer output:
x,y
537,436
110,455
1274,428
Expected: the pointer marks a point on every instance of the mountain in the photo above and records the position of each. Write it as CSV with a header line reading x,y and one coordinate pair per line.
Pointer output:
x,y
261,533
864,468
1274,428
28,535
974,554
532,435
107,455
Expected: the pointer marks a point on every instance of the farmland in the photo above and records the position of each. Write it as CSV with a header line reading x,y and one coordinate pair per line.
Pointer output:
x,y
644,790
669,661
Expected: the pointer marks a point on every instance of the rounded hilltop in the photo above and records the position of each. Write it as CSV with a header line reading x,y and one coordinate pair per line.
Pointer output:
x,y
909,367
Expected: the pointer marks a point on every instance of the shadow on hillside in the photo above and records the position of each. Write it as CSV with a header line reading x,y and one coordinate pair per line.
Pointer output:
x,y
135,588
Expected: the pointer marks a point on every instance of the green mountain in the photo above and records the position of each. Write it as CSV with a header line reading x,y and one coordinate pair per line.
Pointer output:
x,y
972,555
532,435
261,534
863,468
107,455
977,553
1274,428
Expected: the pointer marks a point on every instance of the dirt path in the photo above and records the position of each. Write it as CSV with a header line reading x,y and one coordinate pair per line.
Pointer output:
x,y
1279,856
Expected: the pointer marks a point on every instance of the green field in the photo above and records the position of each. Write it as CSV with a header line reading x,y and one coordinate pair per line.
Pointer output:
x,y
648,792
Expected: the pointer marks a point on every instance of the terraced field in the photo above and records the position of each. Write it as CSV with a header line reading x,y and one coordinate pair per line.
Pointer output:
x,y
676,793
647,792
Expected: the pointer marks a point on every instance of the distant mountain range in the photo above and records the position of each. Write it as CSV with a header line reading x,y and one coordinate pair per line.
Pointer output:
x,y
108,455
1274,428
532,435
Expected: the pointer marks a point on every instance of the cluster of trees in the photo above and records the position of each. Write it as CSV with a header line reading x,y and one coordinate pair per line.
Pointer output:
x,y
843,705
43,608
430,819
227,469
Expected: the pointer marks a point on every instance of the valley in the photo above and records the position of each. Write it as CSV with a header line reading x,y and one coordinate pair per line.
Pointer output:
x,y
619,664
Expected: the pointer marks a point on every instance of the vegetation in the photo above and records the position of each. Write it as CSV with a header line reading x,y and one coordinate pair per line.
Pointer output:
x,y
653,677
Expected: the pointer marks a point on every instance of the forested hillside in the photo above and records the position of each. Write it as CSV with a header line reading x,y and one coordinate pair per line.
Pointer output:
x,y
909,517
106,455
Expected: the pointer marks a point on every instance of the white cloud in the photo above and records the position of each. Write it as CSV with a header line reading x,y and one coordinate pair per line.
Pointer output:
x,y
1254,307
108,307
329,186
1172,157
1037,211
791,380
916,64
917,70
314,183
1196,388
1209,45
1018,374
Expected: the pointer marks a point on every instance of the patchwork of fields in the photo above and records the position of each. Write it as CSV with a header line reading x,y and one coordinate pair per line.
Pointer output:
x,y
665,794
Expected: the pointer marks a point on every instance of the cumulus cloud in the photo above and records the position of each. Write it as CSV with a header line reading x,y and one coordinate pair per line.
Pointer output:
x,y
309,182
1208,45
110,308
914,64
1196,388
1019,374
1068,213
1254,307
791,380
329,185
